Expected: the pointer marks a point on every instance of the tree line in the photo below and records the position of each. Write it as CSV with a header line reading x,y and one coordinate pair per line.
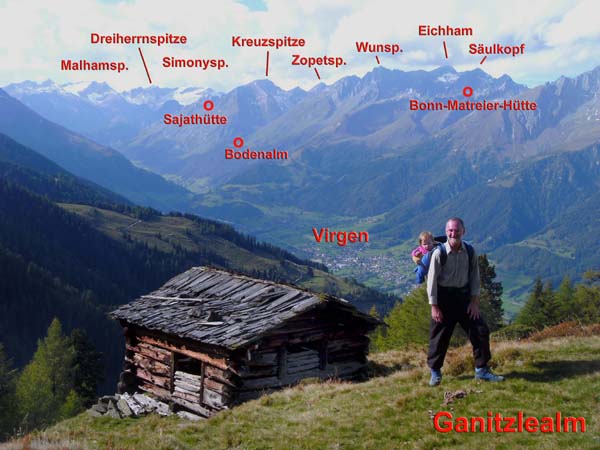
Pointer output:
x,y
408,322
546,306
60,381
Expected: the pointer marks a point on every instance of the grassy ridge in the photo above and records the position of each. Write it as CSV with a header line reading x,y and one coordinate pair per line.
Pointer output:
x,y
172,233
391,410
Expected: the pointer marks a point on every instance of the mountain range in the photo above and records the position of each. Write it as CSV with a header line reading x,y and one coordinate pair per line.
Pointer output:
x,y
86,158
359,157
99,112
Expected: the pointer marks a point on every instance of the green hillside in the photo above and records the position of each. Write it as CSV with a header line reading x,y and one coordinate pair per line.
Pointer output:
x,y
564,247
72,250
394,409
174,233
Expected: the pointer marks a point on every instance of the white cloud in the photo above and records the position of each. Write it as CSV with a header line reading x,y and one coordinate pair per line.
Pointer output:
x,y
580,22
561,37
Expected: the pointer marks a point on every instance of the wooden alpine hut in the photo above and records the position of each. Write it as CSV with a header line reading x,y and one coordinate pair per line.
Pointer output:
x,y
209,339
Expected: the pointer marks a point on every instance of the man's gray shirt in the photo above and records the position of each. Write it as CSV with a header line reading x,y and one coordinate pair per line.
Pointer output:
x,y
455,273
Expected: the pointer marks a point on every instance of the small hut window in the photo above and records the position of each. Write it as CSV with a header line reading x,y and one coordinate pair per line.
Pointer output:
x,y
186,364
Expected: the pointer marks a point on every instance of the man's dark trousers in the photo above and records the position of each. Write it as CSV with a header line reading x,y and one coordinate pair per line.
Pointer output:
x,y
453,303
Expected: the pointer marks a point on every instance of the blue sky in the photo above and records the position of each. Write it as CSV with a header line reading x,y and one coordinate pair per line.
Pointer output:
x,y
254,5
561,37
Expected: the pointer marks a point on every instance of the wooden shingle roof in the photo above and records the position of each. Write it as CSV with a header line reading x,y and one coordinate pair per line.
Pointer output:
x,y
219,308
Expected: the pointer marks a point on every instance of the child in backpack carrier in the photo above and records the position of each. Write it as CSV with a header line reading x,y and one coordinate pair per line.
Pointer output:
x,y
426,244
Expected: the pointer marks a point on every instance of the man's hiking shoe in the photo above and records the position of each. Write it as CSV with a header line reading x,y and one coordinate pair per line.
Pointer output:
x,y
485,374
436,378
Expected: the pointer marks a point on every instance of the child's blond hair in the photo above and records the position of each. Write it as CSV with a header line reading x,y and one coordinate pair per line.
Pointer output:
x,y
424,235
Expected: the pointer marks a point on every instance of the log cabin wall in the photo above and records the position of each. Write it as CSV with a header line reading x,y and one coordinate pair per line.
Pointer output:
x,y
178,372
316,345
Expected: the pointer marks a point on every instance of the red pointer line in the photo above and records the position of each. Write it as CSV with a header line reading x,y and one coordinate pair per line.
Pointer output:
x,y
483,59
267,70
317,72
145,66
445,50
377,58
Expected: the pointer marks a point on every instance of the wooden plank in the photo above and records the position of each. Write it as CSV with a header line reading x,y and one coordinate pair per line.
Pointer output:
x,y
221,363
208,383
187,386
243,287
148,352
199,288
214,399
250,297
149,364
188,377
154,348
248,290
189,396
162,394
224,289
289,297
159,381
200,347
304,368
203,411
222,376
213,385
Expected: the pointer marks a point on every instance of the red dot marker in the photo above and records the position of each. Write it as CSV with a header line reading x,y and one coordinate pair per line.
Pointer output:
x,y
467,91
208,105
238,142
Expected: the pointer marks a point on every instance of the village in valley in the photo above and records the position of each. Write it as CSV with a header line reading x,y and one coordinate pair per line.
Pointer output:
x,y
388,272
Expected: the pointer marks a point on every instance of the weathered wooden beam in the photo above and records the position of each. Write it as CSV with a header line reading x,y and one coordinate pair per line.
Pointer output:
x,y
162,394
214,399
203,411
149,364
189,396
221,363
188,387
190,377
150,352
220,388
222,376
158,380
191,344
